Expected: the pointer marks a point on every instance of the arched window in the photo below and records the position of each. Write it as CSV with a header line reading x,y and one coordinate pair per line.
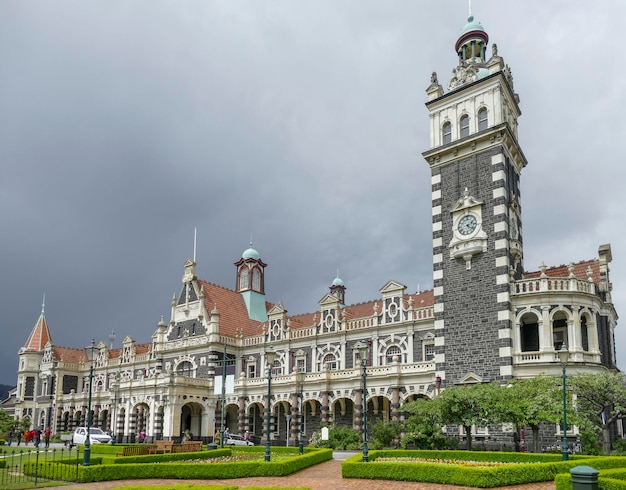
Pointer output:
x,y
447,133
559,331
243,279
529,334
185,368
393,350
464,124
584,333
482,119
277,368
329,362
256,280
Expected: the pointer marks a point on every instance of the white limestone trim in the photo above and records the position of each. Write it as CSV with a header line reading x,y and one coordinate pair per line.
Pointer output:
x,y
437,258
499,226
439,341
436,194
438,307
439,324
503,297
438,274
435,179
440,358
500,244
437,225
504,315
502,261
436,210
502,279
506,370
496,159
498,175
504,333
438,291
499,209
499,192
437,242
505,352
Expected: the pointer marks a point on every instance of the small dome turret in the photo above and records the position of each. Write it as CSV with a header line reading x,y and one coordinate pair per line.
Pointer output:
x,y
250,253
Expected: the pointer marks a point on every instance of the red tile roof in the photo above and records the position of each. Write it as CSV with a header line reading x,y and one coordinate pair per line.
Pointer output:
x,y
580,271
40,335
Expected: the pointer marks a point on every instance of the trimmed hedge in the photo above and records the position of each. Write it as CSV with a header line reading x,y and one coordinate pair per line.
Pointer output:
x,y
473,476
182,486
607,480
239,469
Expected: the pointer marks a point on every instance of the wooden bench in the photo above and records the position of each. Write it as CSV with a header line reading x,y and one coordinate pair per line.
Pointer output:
x,y
164,446
137,450
187,447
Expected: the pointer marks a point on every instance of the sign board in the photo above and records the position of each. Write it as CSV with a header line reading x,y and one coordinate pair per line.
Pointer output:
x,y
230,380
324,433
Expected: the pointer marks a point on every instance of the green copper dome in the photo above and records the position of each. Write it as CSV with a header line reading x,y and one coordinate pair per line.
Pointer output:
x,y
472,25
338,282
250,253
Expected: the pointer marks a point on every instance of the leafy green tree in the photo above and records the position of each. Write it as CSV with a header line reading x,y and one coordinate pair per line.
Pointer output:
x,y
469,405
384,434
6,421
423,426
600,401
529,402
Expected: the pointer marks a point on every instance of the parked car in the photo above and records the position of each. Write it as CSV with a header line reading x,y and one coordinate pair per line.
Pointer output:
x,y
236,440
96,436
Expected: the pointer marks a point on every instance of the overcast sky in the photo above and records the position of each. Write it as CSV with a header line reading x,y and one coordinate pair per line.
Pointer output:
x,y
124,125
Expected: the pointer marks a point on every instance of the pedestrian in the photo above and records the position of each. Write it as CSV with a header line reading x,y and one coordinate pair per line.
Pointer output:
x,y
46,436
37,436
142,436
19,437
247,437
26,437
10,436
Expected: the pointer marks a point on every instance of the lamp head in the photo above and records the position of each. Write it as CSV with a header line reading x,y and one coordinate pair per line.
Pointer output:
x,y
361,348
563,354
270,355
300,377
91,350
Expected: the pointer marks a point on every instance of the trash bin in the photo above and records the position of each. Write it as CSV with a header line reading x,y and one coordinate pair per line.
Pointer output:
x,y
584,478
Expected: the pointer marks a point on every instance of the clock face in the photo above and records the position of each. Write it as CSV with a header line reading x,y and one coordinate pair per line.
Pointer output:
x,y
467,224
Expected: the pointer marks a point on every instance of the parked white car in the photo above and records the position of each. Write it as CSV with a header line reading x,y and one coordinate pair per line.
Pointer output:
x,y
236,440
96,436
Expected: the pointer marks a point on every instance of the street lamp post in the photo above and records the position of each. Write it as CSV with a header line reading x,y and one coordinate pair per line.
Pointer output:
x,y
563,357
300,380
270,355
362,348
90,350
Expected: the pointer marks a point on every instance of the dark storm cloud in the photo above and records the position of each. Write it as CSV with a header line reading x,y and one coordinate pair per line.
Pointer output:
x,y
124,125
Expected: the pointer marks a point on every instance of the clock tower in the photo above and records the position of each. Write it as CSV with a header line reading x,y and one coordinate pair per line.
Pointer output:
x,y
476,162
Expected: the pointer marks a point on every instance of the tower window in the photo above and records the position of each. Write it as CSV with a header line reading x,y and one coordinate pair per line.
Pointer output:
x,y
447,133
482,119
464,126
243,279
256,279
392,351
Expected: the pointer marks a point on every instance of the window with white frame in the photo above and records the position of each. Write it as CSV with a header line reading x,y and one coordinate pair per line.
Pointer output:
x,y
329,362
185,368
301,365
277,368
429,351
392,351
251,370
447,132
464,126
482,119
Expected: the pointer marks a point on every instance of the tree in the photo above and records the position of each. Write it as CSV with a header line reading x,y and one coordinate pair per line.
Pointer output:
x,y
6,421
423,427
601,401
469,405
529,402
385,433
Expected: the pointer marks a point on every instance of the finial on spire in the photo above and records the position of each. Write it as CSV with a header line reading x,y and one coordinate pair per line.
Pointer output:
x,y
112,337
43,304
195,235
470,7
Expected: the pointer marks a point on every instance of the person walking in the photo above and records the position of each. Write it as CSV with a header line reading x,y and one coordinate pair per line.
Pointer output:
x,y
46,437
37,436
10,437
19,437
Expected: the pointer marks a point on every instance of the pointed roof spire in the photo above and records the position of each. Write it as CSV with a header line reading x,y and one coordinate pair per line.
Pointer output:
x,y
40,335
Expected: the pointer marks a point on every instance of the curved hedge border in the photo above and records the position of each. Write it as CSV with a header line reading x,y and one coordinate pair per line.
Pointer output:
x,y
484,477
161,469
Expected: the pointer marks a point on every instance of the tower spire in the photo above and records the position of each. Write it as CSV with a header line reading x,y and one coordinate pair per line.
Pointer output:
x,y
40,334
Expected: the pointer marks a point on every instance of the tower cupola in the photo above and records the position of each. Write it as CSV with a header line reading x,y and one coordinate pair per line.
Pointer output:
x,y
251,283
338,289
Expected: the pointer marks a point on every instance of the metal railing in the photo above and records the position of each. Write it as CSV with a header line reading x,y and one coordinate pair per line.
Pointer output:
x,y
40,464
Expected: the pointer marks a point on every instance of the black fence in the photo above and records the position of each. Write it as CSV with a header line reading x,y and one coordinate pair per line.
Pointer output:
x,y
55,464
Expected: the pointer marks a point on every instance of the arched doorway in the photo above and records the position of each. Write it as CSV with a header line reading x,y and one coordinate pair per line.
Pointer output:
x,y
255,421
191,419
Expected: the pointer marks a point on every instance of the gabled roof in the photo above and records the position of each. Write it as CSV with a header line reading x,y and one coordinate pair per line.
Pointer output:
x,y
40,335
580,271
232,309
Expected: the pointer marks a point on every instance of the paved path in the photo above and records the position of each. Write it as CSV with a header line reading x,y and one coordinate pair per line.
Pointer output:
x,y
324,476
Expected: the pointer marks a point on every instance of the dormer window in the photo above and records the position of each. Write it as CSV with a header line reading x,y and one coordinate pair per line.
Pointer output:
x,y
482,119
447,133
464,126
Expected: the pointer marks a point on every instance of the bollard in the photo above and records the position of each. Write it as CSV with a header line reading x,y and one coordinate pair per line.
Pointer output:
x,y
584,478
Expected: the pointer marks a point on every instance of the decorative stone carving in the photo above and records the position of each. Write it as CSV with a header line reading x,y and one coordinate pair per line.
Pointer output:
x,y
466,72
